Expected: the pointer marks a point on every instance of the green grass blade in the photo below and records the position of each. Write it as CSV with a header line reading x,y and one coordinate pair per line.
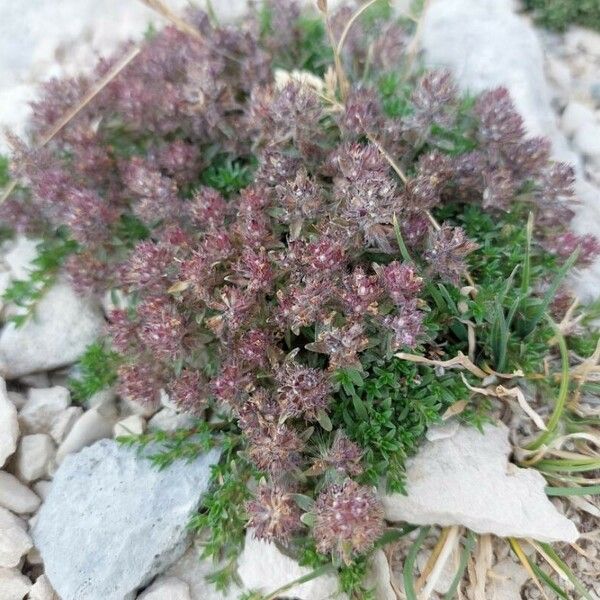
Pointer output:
x,y
549,550
586,490
550,293
409,565
403,249
563,392
543,576
526,277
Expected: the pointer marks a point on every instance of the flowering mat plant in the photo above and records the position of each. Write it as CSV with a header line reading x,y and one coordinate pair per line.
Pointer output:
x,y
319,250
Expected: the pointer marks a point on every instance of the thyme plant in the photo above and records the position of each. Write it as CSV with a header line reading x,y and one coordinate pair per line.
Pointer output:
x,y
293,221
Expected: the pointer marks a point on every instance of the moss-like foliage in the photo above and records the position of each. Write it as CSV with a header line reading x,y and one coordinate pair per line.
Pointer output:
x,y
559,14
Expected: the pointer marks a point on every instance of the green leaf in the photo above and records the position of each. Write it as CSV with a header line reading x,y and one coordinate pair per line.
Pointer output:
x,y
585,490
359,407
324,420
409,564
306,503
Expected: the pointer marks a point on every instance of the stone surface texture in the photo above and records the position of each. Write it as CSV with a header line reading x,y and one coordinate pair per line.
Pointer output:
x,y
467,480
56,335
9,425
15,496
112,521
263,568
14,540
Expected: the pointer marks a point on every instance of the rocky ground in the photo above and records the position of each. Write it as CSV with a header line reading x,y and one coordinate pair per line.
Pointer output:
x,y
99,523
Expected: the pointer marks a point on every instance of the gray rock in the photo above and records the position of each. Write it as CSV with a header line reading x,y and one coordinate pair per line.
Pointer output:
x,y
56,335
467,480
34,457
167,587
14,540
112,521
9,425
264,568
193,570
13,585
508,54
575,116
43,409
15,496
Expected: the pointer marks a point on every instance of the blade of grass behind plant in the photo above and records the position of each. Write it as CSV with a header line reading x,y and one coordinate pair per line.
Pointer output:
x,y
518,550
563,392
532,323
549,550
409,564
587,490
526,276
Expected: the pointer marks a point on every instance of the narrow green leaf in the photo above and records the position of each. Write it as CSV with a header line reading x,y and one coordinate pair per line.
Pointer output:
x,y
586,490
409,565
462,565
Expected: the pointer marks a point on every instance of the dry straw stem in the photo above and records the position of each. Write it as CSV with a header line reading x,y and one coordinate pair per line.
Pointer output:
x,y
459,361
164,11
74,111
518,550
448,547
482,563
503,393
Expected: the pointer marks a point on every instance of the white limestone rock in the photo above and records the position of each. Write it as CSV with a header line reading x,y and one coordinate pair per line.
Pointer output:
x,y
587,140
14,540
13,584
63,325
378,577
93,425
112,521
193,570
263,568
167,419
575,116
64,423
167,587
17,399
42,590
508,54
34,457
42,488
507,580
15,496
43,409
467,480
131,425
9,425
19,259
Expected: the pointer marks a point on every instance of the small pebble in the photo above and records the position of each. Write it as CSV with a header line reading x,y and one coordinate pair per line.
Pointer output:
x,y
15,496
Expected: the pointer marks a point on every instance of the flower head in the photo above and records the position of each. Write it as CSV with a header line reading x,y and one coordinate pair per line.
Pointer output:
x,y
273,514
349,519
448,248
302,391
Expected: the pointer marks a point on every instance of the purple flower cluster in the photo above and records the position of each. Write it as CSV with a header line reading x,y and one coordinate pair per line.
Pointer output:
x,y
136,147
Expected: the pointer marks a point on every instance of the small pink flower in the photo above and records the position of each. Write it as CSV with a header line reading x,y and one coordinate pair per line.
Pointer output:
x,y
349,519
